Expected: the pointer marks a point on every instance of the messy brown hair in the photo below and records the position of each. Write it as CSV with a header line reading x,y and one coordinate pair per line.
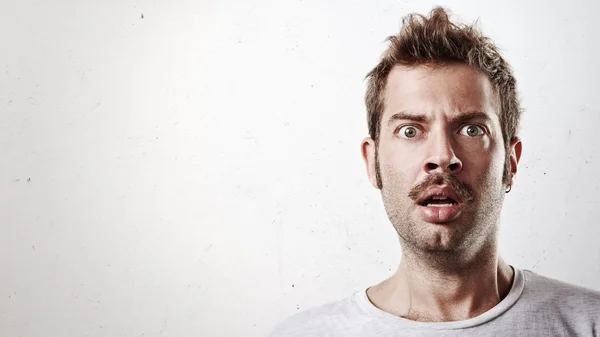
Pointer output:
x,y
435,40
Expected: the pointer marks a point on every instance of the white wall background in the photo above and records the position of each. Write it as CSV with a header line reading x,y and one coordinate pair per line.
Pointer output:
x,y
196,172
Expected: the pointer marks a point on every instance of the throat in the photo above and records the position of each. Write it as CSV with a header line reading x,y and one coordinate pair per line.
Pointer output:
x,y
420,294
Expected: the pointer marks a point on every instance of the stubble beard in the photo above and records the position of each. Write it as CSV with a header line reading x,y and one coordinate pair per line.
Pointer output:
x,y
464,243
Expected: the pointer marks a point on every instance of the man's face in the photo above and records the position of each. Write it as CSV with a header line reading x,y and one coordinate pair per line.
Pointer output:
x,y
440,157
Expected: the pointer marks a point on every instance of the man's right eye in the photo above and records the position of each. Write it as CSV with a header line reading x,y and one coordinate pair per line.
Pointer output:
x,y
408,131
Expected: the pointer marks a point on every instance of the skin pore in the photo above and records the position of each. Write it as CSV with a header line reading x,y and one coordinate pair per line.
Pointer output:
x,y
440,129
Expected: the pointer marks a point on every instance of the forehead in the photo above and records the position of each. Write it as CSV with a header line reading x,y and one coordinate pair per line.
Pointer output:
x,y
448,90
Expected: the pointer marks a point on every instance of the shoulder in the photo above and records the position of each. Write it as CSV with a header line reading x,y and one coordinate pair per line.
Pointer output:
x,y
561,293
315,321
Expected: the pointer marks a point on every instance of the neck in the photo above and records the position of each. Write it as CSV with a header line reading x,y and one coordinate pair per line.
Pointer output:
x,y
429,292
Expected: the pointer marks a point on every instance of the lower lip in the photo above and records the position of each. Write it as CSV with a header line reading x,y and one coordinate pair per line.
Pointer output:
x,y
439,215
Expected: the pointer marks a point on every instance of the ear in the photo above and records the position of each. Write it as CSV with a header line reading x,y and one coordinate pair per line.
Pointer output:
x,y
368,153
516,146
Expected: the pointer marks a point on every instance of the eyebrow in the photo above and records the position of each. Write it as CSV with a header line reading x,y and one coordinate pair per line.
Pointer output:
x,y
469,116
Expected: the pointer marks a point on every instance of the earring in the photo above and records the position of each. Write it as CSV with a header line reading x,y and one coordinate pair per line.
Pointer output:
x,y
509,188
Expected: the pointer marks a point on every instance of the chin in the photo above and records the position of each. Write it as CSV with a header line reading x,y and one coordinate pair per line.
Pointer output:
x,y
441,246
434,237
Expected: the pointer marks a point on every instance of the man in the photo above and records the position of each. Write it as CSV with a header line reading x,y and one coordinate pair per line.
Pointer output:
x,y
443,117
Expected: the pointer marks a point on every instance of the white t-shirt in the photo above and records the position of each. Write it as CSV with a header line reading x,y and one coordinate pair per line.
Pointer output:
x,y
535,306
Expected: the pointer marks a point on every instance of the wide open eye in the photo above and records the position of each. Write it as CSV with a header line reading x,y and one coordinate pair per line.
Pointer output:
x,y
472,130
409,131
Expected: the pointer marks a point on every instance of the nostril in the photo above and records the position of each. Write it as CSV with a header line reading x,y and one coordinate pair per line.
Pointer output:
x,y
431,166
454,166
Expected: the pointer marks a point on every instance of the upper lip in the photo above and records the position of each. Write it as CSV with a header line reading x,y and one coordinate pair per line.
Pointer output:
x,y
439,191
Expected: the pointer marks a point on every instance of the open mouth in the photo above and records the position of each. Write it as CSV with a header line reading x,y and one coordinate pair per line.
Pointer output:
x,y
439,201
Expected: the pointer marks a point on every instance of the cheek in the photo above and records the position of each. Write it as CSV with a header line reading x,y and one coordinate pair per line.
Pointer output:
x,y
483,159
398,167
477,146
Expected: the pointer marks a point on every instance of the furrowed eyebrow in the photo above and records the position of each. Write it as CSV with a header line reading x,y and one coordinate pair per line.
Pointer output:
x,y
403,115
474,115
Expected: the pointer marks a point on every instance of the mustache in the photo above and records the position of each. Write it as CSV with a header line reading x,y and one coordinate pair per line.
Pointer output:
x,y
462,191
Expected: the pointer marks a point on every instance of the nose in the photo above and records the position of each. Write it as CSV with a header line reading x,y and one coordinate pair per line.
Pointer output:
x,y
441,156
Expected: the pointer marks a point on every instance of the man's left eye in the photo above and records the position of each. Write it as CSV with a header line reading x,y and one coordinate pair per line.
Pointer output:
x,y
472,130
